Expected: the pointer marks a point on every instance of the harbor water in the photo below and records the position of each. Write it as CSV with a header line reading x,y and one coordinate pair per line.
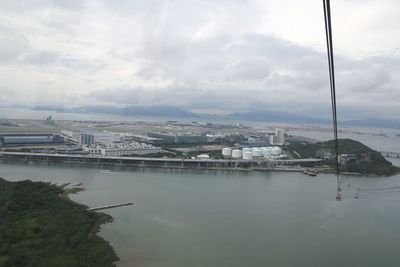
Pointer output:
x,y
222,218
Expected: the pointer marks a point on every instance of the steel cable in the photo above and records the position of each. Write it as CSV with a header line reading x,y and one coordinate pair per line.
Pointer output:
x,y
329,46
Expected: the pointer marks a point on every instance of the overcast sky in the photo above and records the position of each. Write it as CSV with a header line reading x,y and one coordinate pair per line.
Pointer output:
x,y
205,56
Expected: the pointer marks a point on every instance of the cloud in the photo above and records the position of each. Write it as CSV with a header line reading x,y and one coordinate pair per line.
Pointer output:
x,y
224,56
12,45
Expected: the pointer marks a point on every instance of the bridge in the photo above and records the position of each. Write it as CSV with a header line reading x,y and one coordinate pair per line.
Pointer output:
x,y
155,162
389,154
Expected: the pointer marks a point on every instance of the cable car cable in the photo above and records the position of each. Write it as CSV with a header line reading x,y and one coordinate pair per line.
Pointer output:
x,y
331,66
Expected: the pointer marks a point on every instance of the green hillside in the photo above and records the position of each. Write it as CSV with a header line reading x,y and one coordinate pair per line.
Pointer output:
x,y
367,161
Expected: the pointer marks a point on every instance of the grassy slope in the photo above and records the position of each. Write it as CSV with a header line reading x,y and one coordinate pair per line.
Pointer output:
x,y
38,227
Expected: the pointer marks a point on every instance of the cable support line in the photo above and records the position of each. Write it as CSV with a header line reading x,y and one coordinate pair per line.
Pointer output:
x,y
331,66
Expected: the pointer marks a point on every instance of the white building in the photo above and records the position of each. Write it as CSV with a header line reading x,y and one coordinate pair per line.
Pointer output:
x,y
92,138
121,149
203,156
280,136
278,139
106,137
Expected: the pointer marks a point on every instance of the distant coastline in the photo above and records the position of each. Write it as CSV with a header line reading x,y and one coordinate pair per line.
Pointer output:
x,y
157,112
176,164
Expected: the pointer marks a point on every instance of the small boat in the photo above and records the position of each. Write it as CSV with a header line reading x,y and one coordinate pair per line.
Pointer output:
x,y
358,193
310,172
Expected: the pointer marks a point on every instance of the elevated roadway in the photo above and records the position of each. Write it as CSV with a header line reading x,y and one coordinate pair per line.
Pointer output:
x,y
154,162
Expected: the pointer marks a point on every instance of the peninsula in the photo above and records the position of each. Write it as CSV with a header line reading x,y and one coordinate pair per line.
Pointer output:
x,y
41,226
354,157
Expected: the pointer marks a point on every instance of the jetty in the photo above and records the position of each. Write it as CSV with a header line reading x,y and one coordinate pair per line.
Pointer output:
x,y
111,206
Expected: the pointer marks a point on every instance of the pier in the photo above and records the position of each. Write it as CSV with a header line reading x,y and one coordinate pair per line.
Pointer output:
x,y
111,206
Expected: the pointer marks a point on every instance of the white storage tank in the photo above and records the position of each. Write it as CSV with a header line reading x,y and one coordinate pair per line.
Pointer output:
x,y
226,152
276,151
266,151
246,149
247,155
257,152
236,154
203,156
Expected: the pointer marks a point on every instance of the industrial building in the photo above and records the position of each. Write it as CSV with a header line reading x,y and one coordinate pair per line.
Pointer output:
x,y
190,138
91,138
179,138
30,139
167,137
253,143
121,149
140,138
86,139
73,150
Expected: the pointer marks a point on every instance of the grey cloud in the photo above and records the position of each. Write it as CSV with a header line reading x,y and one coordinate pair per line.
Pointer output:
x,y
15,49
40,57
28,5
255,72
249,69
191,54
12,46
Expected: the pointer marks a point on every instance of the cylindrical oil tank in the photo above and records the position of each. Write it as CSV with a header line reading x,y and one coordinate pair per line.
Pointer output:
x,y
276,151
257,152
266,151
246,149
247,155
227,152
236,154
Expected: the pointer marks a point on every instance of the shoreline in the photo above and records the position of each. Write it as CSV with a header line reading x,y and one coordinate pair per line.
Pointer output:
x,y
76,163
291,165
102,219
59,228
286,165
169,167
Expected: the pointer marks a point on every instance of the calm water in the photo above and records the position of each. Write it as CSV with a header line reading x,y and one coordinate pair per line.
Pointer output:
x,y
215,218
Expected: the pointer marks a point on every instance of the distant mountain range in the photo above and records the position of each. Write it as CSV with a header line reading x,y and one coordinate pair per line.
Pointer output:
x,y
161,111
270,116
257,115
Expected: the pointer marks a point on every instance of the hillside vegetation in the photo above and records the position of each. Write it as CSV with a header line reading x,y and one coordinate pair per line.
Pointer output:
x,y
40,227
368,161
